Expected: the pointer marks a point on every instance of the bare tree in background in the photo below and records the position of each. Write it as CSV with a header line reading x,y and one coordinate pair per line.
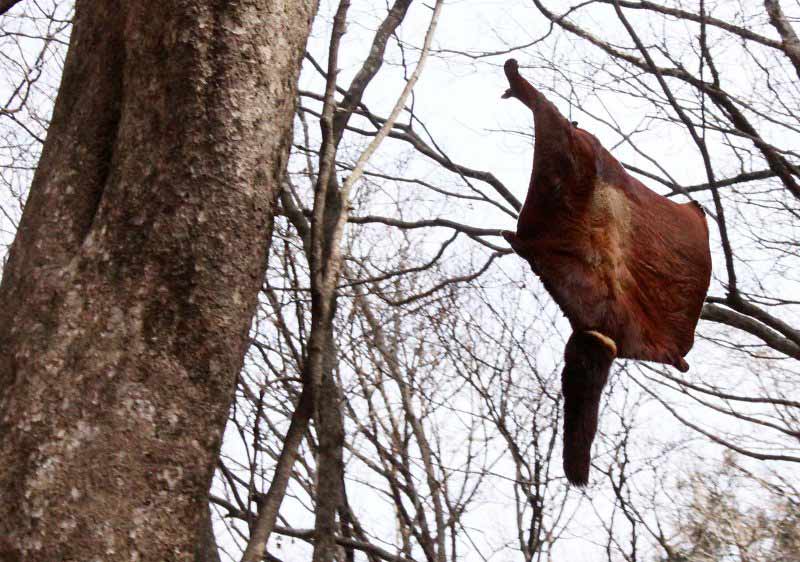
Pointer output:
x,y
718,524
404,383
751,314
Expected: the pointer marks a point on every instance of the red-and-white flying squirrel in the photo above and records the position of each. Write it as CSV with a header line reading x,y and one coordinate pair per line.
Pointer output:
x,y
629,268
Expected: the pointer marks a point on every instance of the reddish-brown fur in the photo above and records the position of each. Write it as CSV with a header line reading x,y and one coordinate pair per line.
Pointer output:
x,y
617,257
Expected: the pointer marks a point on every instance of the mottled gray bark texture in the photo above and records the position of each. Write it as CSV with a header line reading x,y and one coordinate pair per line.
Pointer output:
x,y
127,297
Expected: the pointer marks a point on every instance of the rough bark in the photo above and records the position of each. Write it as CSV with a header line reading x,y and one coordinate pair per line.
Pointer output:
x,y
128,293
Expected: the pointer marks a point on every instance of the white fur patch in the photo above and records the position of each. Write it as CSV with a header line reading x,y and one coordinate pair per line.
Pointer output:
x,y
610,206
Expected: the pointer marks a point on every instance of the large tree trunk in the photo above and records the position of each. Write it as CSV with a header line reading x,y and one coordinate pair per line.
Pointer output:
x,y
127,297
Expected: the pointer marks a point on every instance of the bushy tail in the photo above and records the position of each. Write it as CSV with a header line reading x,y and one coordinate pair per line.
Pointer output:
x,y
587,361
